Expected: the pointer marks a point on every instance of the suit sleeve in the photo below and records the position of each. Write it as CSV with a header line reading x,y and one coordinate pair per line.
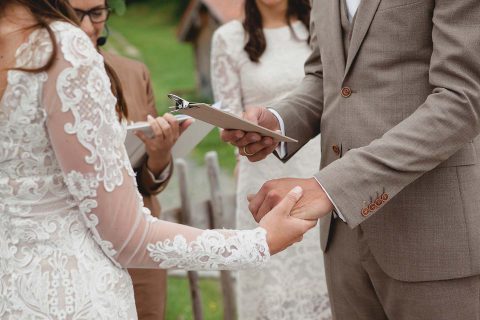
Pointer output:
x,y
304,106
445,122
146,184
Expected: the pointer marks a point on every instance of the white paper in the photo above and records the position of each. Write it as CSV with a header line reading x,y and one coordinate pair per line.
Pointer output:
x,y
135,147
197,131
184,145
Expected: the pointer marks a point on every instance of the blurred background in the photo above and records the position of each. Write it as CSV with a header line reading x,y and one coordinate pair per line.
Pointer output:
x,y
172,37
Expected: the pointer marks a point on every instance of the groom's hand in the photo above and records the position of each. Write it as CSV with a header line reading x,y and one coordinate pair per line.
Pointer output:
x,y
251,144
313,205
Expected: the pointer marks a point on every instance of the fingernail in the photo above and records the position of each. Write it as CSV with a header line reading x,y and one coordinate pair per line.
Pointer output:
x,y
239,135
149,117
297,191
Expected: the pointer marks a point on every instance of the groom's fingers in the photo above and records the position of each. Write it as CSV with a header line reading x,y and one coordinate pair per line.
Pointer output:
x,y
261,154
231,136
250,138
256,202
269,193
271,200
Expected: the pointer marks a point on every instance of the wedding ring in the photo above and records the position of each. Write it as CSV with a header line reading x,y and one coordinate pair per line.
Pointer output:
x,y
246,153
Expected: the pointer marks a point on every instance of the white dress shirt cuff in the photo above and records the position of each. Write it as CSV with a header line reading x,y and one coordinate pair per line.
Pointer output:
x,y
337,211
162,177
282,147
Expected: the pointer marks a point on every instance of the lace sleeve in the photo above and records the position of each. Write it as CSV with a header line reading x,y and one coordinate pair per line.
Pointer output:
x,y
225,75
88,142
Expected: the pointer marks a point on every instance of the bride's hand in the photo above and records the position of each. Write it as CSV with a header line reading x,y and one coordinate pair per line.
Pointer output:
x,y
283,230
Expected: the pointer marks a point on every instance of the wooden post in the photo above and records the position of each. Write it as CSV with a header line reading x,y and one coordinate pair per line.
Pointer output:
x,y
186,218
221,219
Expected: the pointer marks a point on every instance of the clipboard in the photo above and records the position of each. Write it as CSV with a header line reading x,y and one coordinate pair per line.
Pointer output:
x,y
222,119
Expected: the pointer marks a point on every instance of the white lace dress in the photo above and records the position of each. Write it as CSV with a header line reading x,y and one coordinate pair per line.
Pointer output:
x,y
71,218
292,285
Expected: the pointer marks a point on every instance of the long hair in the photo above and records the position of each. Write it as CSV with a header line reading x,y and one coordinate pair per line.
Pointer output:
x,y
46,11
253,24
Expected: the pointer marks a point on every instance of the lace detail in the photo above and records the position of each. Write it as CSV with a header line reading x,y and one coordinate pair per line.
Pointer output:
x,y
85,91
71,217
212,250
293,282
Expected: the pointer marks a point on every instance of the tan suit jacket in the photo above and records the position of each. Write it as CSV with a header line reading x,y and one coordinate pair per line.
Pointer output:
x,y
138,92
399,117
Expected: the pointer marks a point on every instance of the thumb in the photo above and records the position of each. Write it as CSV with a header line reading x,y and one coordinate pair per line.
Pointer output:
x,y
287,203
252,115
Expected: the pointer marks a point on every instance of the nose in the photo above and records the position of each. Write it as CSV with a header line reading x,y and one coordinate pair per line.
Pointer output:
x,y
87,26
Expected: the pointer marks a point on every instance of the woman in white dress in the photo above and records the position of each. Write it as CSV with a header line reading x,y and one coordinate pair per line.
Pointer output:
x,y
256,63
71,218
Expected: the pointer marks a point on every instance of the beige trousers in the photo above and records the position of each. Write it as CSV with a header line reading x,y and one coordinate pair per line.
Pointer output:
x,y
360,290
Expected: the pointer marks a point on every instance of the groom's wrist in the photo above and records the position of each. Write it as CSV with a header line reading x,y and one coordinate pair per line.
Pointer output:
x,y
334,206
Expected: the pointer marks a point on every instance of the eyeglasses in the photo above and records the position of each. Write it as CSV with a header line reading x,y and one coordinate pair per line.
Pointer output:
x,y
96,15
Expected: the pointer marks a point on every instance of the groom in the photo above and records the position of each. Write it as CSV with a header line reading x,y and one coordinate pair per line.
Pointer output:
x,y
394,88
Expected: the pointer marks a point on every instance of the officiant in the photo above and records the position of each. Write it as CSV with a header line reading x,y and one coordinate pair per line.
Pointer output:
x,y
153,174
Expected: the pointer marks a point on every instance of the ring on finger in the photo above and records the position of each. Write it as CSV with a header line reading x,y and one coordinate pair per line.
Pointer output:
x,y
246,152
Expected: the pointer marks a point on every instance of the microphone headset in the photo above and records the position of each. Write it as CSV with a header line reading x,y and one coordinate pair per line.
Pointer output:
x,y
101,41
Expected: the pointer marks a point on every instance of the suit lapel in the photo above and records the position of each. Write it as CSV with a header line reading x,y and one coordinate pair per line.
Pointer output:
x,y
363,19
335,35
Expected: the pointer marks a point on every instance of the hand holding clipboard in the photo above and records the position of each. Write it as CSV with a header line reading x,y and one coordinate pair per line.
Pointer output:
x,y
222,119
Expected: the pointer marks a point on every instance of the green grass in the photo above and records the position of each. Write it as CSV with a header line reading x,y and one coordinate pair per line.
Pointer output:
x,y
179,306
151,26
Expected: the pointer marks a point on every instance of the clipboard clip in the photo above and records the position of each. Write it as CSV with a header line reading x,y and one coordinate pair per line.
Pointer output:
x,y
180,103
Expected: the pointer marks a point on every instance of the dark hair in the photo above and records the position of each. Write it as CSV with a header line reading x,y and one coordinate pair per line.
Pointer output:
x,y
45,11
253,24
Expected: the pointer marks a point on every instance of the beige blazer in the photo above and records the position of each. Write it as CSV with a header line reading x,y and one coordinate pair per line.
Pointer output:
x,y
137,89
399,117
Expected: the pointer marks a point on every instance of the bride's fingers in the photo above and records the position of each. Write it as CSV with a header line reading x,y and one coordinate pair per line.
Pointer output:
x,y
287,204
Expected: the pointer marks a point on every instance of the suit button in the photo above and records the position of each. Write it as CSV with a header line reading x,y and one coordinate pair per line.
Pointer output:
x,y
346,92
336,149
378,202
372,207
365,212
384,197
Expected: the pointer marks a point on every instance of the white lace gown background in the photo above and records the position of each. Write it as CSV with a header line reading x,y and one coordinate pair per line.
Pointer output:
x,y
71,218
292,285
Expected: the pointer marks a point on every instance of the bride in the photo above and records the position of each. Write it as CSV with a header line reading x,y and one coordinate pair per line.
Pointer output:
x,y
71,218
